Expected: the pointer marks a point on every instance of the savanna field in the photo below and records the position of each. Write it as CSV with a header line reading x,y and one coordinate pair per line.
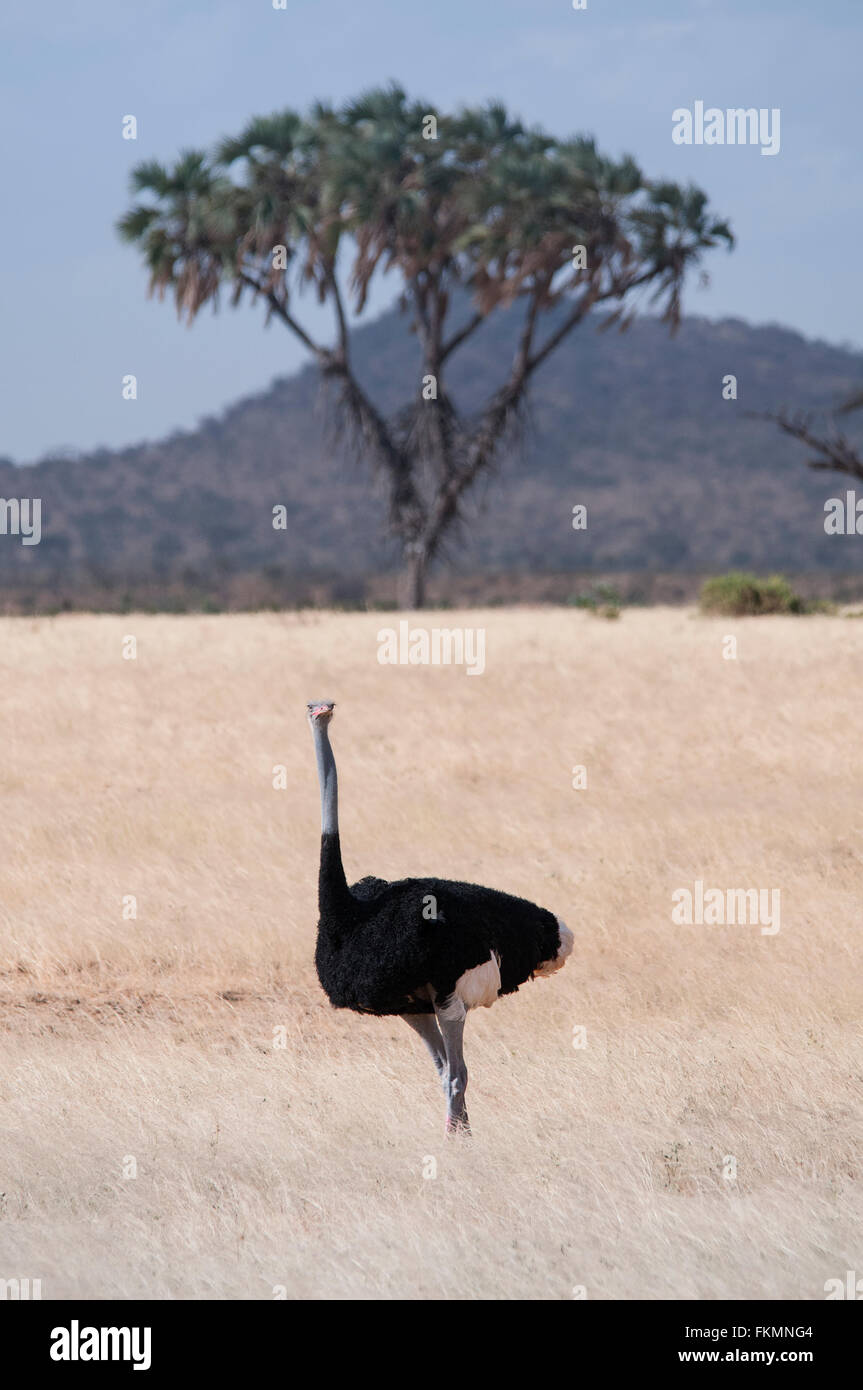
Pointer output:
x,y
145,1043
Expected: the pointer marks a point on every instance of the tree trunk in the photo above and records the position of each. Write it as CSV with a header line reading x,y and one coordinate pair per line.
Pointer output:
x,y
412,580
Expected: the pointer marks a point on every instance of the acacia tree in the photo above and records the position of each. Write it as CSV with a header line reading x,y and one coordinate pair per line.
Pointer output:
x,y
472,201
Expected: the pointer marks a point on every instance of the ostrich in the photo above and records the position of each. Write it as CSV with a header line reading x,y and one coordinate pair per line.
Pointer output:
x,y
426,949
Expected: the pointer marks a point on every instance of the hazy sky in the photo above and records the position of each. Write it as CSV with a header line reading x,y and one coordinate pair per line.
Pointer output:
x,y
74,308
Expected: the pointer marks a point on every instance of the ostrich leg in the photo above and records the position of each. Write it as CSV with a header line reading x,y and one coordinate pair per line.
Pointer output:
x,y
426,1026
451,1016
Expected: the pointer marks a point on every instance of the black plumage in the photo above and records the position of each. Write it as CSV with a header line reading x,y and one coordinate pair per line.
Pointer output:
x,y
378,943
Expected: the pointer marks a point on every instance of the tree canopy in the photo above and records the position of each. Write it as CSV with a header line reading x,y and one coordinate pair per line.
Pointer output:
x,y
472,201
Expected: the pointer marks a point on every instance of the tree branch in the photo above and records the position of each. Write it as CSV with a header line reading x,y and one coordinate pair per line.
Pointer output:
x,y
341,317
493,424
278,308
406,512
504,405
458,338
433,422
836,453
585,304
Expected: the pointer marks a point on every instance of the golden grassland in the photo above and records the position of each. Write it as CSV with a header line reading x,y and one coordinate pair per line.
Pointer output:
x,y
599,1167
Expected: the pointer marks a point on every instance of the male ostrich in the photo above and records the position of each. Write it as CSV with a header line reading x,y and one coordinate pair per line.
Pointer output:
x,y
427,949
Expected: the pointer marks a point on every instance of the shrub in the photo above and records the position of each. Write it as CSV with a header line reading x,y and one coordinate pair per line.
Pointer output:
x,y
737,594
601,599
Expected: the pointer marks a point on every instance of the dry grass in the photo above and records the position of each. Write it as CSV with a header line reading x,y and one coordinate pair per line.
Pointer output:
x,y
303,1166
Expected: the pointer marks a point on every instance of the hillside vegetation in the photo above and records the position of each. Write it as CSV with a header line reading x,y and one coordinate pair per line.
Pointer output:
x,y
633,426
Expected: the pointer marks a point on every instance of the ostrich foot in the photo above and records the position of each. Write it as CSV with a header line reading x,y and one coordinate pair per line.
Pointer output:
x,y
458,1124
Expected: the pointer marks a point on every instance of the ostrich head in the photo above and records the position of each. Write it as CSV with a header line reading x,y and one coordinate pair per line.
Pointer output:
x,y
320,712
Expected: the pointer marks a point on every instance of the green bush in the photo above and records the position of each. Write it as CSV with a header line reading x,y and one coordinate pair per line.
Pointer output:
x,y
601,599
737,594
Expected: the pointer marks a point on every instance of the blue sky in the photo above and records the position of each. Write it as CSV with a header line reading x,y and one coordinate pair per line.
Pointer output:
x,y
74,305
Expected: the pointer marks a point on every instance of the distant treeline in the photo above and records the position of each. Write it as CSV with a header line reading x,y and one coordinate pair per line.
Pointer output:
x,y
249,593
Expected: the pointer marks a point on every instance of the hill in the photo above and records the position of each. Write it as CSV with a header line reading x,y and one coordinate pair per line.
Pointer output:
x,y
675,478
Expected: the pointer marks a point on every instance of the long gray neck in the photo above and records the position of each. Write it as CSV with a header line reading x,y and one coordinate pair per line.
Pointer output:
x,y
328,780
